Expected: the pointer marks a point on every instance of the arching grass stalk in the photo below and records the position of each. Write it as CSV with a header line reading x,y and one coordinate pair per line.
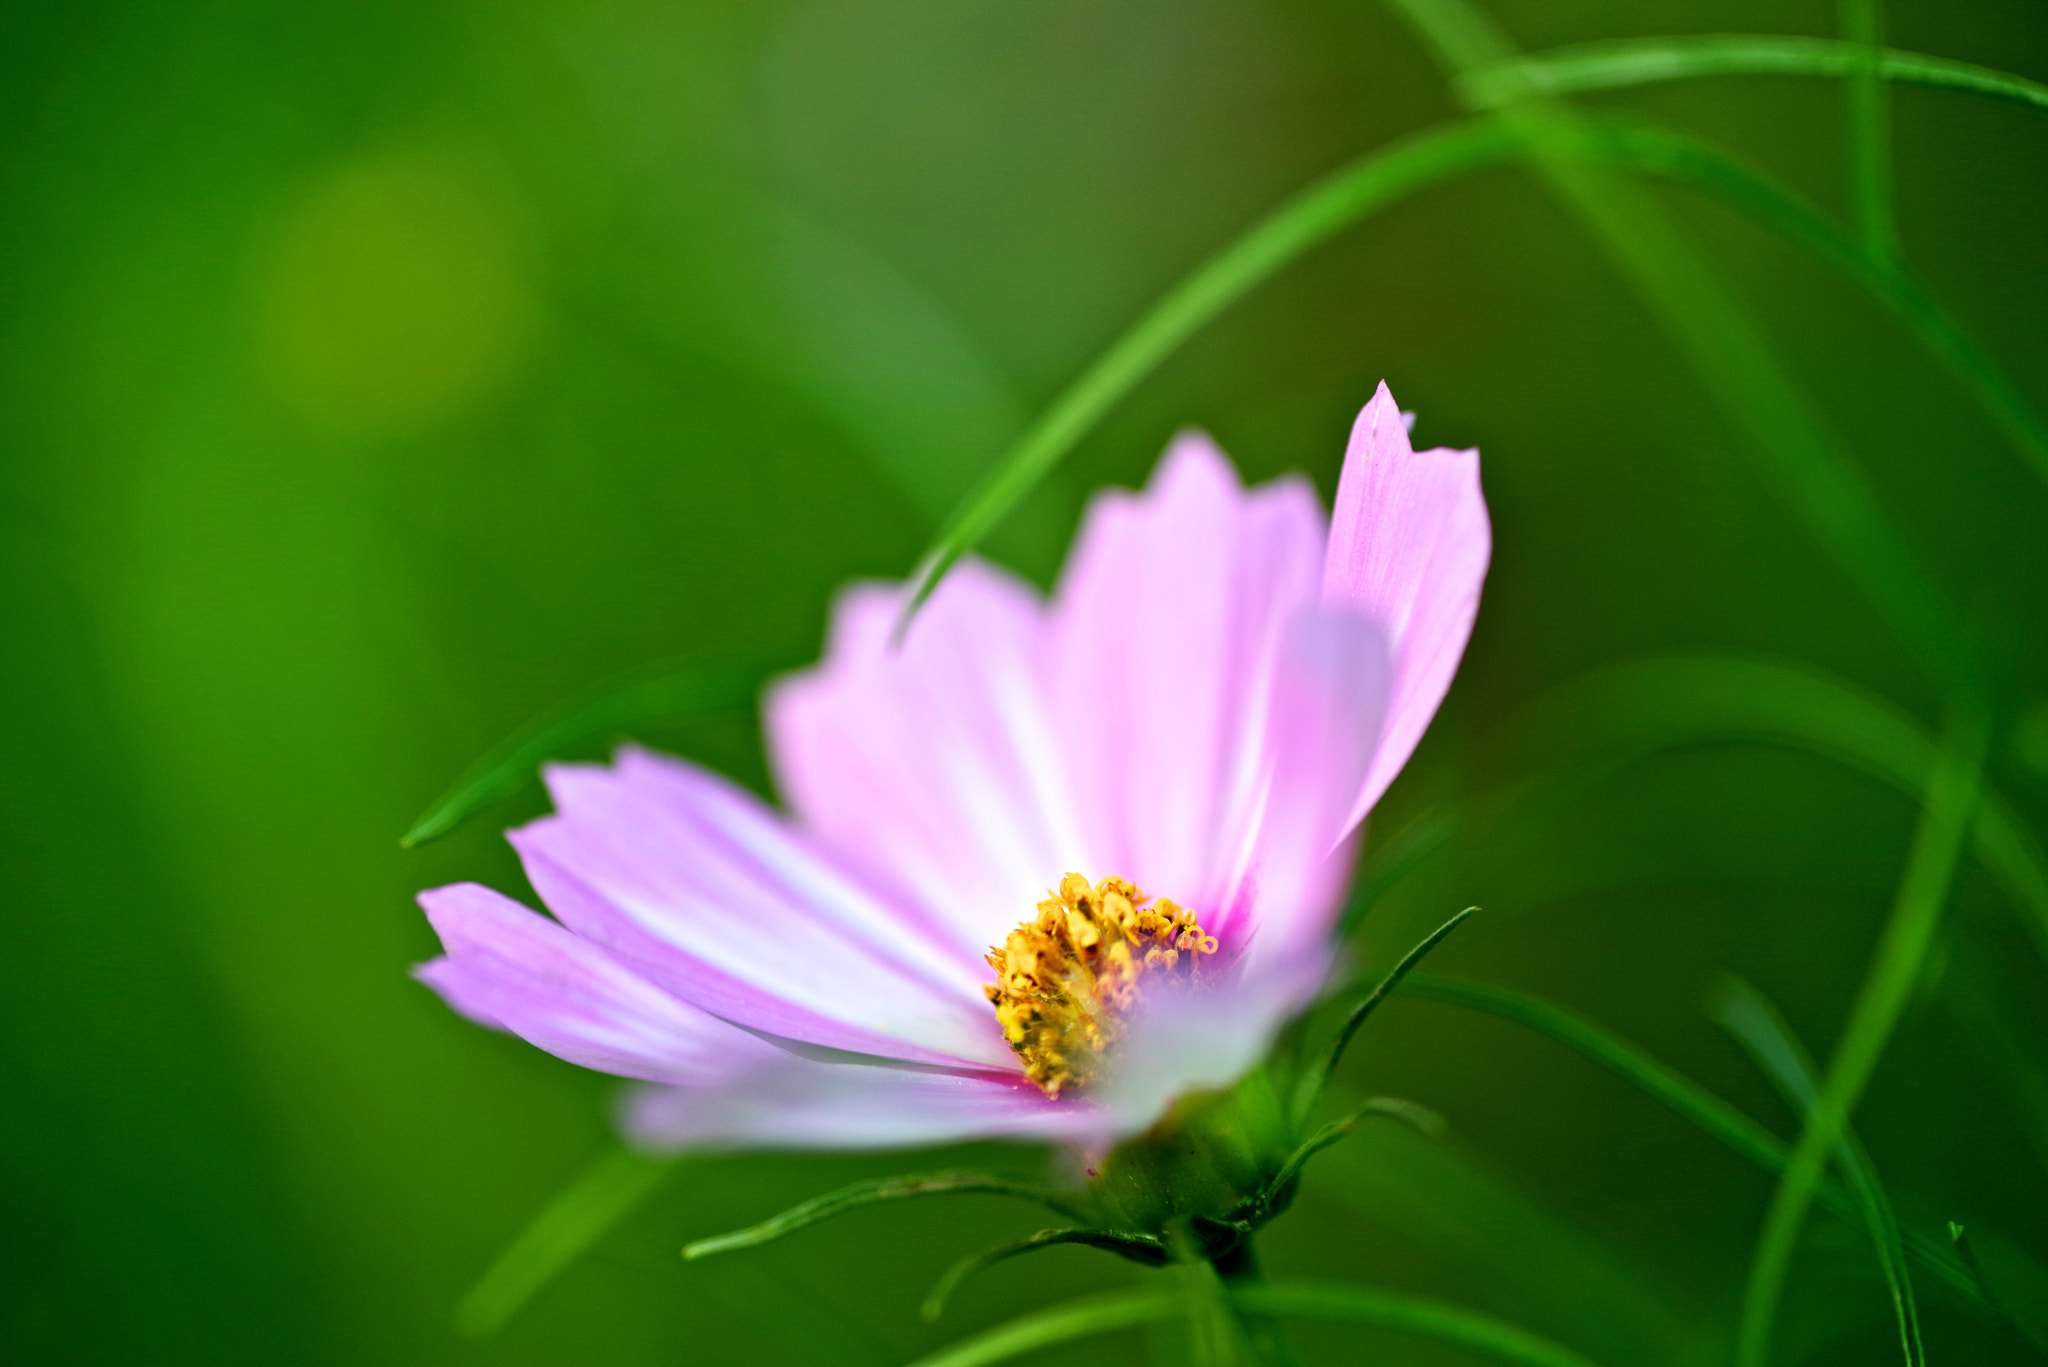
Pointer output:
x,y
1794,451
1616,64
1870,171
1937,847
1366,185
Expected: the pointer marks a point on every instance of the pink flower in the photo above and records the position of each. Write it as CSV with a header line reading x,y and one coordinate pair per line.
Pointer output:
x,y
1219,690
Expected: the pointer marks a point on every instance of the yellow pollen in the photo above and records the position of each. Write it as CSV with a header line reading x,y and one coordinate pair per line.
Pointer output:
x,y
1065,980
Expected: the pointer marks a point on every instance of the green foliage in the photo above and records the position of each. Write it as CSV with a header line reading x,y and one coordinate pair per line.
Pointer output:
x,y
379,376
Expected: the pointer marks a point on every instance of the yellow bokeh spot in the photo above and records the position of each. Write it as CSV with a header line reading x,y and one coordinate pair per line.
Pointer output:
x,y
394,293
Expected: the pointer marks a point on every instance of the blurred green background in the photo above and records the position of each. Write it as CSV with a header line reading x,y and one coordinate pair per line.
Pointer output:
x,y
377,376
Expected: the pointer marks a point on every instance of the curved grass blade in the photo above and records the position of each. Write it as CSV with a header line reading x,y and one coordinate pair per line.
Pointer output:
x,y
874,1192
1937,848
1374,1308
1654,704
1794,452
1075,1319
1615,64
1322,210
1310,1089
1141,1248
1746,1014
2026,1328
702,690
1379,1309
1419,1118
565,1228
1696,164
1870,174
1386,865
1673,1089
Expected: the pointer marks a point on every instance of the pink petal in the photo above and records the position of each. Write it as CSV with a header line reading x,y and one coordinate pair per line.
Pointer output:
x,y
1168,622
799,1104
508,967
1409,545
712,895
936,767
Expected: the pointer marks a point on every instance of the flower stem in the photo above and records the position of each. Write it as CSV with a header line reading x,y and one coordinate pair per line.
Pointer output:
x,y
1265,1339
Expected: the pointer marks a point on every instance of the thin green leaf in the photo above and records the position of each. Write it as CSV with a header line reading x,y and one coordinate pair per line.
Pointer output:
x,y
1311,217
1870,174
1794,451
1641,61
1075,1319
1967,1251
1137,1247
1376,1309
1421,1119
1412,1315
567,1226
1937,848
1215,1338
1687,160
1747,1015
1664,1084
1649,705
874,1192
698,691
1310,1089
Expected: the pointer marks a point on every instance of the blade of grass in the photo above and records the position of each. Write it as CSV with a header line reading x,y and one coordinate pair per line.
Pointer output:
x,y
1138,1247
874,1192
1870,171
1746,1014
1615,64
565,1228
1937,848
1649,705
1410,1314
1696,164
1673,1089
1421,1119
1374,1308
1310,1090
1796,455
702,690
1325,208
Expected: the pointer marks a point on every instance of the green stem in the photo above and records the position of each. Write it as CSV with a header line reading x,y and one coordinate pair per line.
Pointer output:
x,y
1870,173
1370,183
1795,453
1937,847
1620,63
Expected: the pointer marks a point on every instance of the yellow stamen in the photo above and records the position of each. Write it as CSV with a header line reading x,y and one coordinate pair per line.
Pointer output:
x,y
1065,981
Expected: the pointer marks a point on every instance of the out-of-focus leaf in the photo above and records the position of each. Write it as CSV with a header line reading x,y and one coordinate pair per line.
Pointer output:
x,y
1692,162
874,1192
1756,1025
1411,1202
1142,1248
1793,450
702,690
1368,184
1870,172
564,1229
1670,1087
1951,803
1641,61
1374,1308
1649,705
1402,1313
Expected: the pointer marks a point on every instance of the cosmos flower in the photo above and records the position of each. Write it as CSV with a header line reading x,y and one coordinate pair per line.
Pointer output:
x,y
1045,867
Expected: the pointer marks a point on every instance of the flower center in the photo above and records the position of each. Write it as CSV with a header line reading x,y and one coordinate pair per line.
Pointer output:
x,y
1065,981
